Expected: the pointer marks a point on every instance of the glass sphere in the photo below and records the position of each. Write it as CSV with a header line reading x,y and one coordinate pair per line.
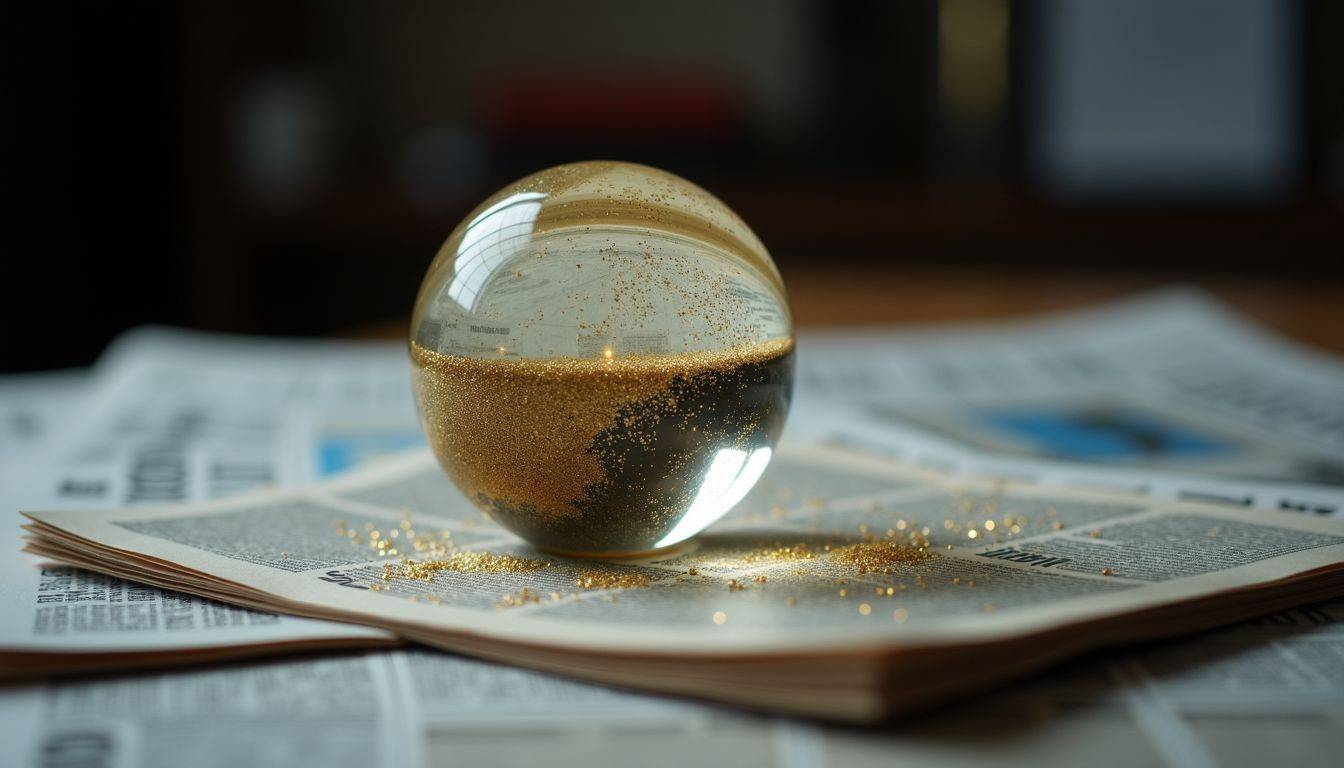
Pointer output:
x,y
603,358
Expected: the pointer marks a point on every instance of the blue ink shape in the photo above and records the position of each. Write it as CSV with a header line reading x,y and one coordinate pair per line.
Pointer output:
x,y
1102,435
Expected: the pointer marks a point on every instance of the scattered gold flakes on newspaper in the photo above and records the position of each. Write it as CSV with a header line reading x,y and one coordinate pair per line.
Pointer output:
x,y
401,539
518,599
983,520
882,556
462,562
779,554
590,579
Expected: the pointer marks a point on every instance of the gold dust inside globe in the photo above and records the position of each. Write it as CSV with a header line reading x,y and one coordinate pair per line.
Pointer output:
x,y
603,358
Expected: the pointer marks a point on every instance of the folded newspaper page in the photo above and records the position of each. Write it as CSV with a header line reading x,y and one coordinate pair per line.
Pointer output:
x,y
1268,691
1148,394
852,602
175,416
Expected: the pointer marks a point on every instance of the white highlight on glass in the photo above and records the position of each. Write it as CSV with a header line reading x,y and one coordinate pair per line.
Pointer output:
x,y
490,239
730,477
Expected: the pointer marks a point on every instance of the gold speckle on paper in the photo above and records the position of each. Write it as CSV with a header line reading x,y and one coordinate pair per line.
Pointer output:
x,y
779,554
463,562
590,579
518,599
882,556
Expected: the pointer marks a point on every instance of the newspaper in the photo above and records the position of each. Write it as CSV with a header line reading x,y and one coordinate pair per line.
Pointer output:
x,y
1138,395
177,416
1241,695
1268,690
32,410
1006,565
338,711
170,416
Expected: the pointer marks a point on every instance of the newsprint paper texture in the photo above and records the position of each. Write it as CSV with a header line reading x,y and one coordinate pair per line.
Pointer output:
x,y
1270,691
1028,574
1148,393
168,417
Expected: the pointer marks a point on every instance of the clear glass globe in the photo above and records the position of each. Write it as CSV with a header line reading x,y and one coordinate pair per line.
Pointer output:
x,y
603,358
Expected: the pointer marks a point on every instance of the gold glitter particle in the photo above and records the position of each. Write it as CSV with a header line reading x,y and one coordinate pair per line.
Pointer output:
x,y
595,579
779,554
464,562
518,599
735,586
437,544
720,617
900,615
1094,534
882,556
1107,572
865,609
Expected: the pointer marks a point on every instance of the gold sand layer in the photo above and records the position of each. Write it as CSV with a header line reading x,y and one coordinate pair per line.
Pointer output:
x,y
521,430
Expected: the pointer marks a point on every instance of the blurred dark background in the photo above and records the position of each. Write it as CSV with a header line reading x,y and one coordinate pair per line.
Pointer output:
x,y
291,168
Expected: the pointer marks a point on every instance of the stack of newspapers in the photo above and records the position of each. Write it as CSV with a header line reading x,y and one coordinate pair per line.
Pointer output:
x,y
951,509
